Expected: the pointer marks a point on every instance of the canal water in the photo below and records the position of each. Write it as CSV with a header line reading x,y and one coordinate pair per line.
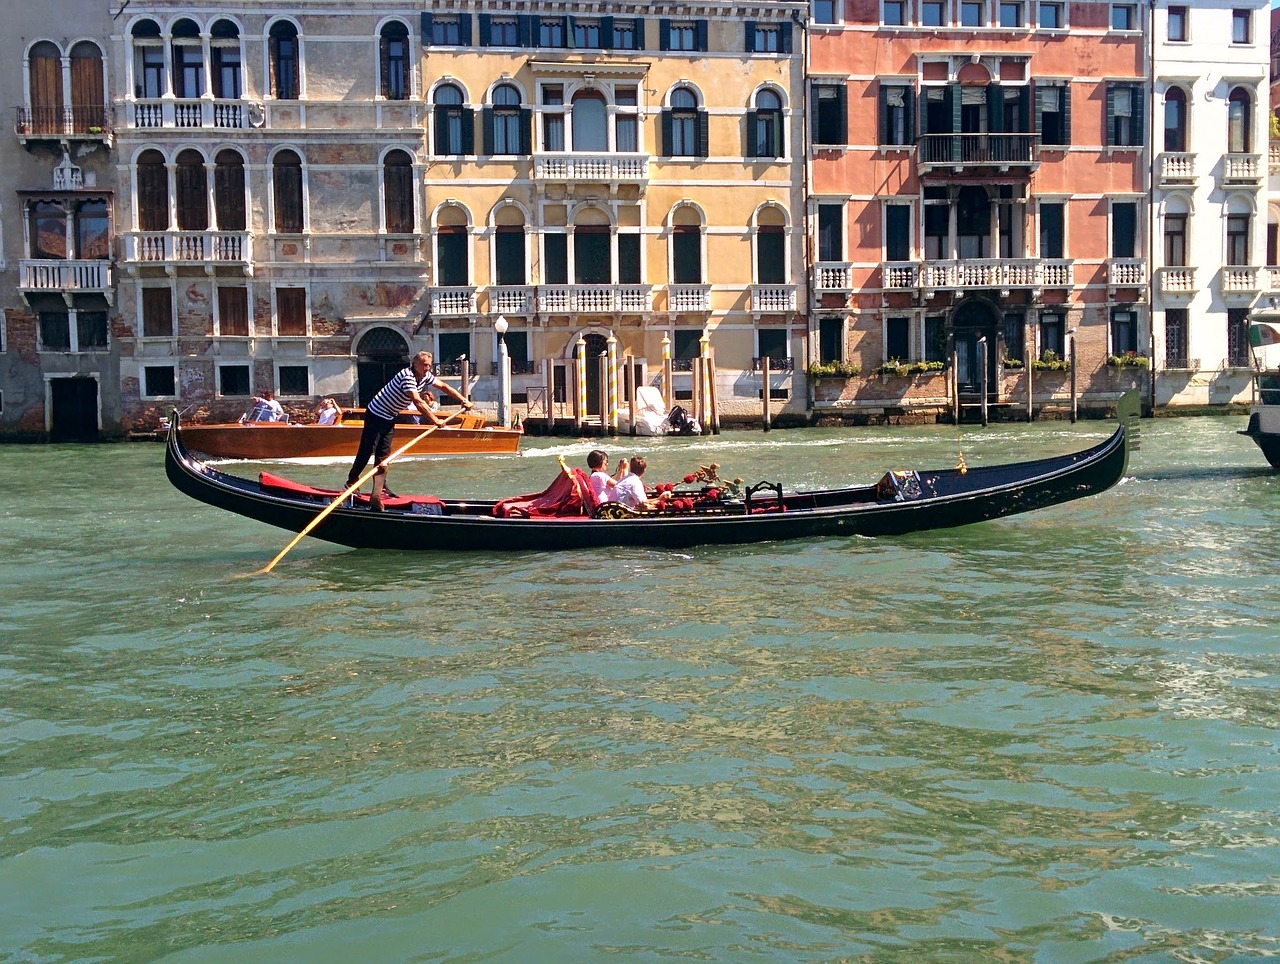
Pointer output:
x,y
1051,738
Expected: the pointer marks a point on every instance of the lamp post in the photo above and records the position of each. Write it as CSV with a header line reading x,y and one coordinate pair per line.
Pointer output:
x,y
504,373
1071,360
982,375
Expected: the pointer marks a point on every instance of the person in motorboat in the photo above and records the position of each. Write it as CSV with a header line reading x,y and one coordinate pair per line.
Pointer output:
x,y
328,413
407,387
266,408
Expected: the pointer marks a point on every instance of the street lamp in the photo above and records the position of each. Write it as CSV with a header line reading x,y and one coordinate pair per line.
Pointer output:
x,y
504,373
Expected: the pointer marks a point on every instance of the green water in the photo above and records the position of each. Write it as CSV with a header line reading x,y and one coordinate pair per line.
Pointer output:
x,y
1049,738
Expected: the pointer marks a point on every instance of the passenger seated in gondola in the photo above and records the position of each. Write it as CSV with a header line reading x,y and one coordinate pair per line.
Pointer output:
x,y
630,488
602,483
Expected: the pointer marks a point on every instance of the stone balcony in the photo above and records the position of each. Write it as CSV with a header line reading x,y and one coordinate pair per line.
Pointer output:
x,y
65,278
453,302
1241,170
1004,274
167,113
773,299
594,299
611,170
1244,280
82,123
512,300
684,299
835,277
207,248
1176,169
1126,273
1176,281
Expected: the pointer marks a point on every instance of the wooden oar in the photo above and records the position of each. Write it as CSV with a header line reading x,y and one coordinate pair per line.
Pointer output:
x,y
353,487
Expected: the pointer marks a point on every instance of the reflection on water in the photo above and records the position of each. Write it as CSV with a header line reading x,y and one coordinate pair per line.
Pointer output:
x,y
1047,737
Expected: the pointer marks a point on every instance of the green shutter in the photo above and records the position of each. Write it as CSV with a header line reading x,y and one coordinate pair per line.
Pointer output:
x,y
704,134
486,115
665,147
750,43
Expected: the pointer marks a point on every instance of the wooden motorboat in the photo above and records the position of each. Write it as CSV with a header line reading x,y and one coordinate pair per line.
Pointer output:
x,y
466,434
899,502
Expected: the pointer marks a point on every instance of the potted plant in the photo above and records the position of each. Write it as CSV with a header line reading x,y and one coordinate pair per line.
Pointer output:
x,y
834,369
1050,362
1130,359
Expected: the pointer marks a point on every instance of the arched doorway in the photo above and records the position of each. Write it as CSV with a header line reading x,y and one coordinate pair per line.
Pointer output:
x,y
596,344
972,321
382,352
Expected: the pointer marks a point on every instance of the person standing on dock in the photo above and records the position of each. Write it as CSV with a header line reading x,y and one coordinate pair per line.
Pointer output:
x,y
407,387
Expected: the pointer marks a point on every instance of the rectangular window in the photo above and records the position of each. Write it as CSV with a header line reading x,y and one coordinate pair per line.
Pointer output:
x,y
555,259
933,13
824,11
1178,24
897,339
682,36
937,230
294,380
830,232
1052,334
1175,338
586,34
1011,14
893,13
1124,229
629,257
508,256
1124,115
233,310
685,343
157,313
1124,16
91,331
772,343
451,346
551,32
972,14
686,255
233,380
767,39
1241,27
895,115
158,381
1124,331
897,232
1050,16
504,32
1238,337
829,122
626,35
452,262
291,311
1238,239
771,256
55,331
446,31
1175,240
1012,329
1052,229
935,338
830,340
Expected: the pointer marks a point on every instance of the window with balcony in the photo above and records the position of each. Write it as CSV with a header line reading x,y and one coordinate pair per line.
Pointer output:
x,y
553,117
682,35
592,259
825,11
225,60
1053,114
628,243
1053,229
1175,240
973,222
555,258
1239,128
157,313
159,381
937,224
893,13
397,192
1051,15
187,51
933,13
1175,120
1124,331
47,238
1175,338
192,192
1242,26
1124,229
897,338
286,192
233,311
451,347
897,122
509,255
626,120
45,79
229,191
291,311
454,126
686,254
233,380
1177,24
1052,334
830,114
153,191
284,60
830,340
764,126
393,59
684,126
831,232
149,77
771,254
69,228
1124,16
1238,337
1238,228
1124,115
897,232
590,119
773,343
499,31
452,261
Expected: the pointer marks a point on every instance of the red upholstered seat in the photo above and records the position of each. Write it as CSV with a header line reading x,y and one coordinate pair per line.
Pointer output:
x,y
569,496
278,485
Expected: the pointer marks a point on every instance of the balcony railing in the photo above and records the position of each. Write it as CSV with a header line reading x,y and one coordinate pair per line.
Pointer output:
x,y
453,302
80,122
511,300
160,247
1126,272
1273,158
1243,169
1271,275
1177,168
594,299
1242,279
901,275
688,298
50,275
979,150
519,366
775,364
773,299
1181,363
1176,281
591,168
834,276
214,114
1003,273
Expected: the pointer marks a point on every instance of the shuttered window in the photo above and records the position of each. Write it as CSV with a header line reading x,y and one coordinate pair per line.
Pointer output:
x,y
286,178
291,311
153,192
157,313
233,310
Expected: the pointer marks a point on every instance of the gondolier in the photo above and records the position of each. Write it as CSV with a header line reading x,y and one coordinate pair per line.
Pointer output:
x,y
405,388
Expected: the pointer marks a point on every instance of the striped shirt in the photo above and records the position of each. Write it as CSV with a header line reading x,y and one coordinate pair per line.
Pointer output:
x,y
396,395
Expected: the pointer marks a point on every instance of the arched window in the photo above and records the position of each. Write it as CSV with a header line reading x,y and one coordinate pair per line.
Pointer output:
x,y
45,64
507,130
153,192
224,60
452,248
1175,120
1239,126
283,44
192,193
393,51
684,126
765,126
228,191
509,247
590,123
149,81
88,96
397,188
93,230
188,60
686,246
771,248
286,182
454,127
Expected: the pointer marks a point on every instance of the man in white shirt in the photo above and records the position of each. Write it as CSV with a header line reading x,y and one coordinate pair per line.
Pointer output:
x,y
266,408
629,489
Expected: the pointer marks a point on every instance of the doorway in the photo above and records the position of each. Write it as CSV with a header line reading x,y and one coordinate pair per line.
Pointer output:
x,y
382,353
596,344
973,322
73,410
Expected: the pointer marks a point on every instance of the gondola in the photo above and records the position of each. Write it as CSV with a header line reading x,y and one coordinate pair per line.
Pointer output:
x,y
898,503
1264,414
